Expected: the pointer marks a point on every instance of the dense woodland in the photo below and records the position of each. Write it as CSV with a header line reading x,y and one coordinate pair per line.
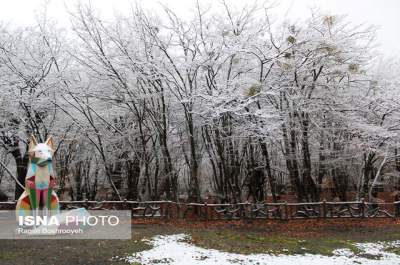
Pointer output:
x,y
231,105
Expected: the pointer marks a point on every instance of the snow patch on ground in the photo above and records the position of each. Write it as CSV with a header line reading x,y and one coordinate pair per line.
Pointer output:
x,y
175,250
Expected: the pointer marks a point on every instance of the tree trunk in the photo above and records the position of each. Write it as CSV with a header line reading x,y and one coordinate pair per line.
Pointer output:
x,y
194,189
368,173
271,178
21,162
291,162
308,181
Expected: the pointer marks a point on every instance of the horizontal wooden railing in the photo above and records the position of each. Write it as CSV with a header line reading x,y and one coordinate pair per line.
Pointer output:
x,y
245,210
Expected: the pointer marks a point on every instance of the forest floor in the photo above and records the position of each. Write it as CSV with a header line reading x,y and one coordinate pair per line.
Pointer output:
x,y
297,237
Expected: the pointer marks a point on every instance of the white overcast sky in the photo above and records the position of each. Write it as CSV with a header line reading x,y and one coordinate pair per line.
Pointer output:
x,y
383,13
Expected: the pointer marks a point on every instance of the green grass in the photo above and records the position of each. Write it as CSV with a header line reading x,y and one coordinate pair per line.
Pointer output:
x,y
65,252
8,255
393,249
249,243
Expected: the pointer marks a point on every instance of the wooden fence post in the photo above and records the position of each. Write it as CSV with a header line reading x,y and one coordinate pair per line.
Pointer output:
x,y
324,210
286,211
164,210
178,210
250,210
362,207
206,211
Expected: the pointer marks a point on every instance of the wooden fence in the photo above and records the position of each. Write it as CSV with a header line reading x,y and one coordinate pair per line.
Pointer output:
x,y
203,211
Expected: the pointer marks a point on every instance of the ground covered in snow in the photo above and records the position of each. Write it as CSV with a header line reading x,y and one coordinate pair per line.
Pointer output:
x,y
177,250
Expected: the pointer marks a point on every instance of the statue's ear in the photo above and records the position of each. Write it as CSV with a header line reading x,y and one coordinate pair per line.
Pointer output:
x,y
32,143
50,142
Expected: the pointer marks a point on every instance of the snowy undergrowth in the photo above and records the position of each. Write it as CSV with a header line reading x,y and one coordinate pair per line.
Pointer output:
x,y
176,250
